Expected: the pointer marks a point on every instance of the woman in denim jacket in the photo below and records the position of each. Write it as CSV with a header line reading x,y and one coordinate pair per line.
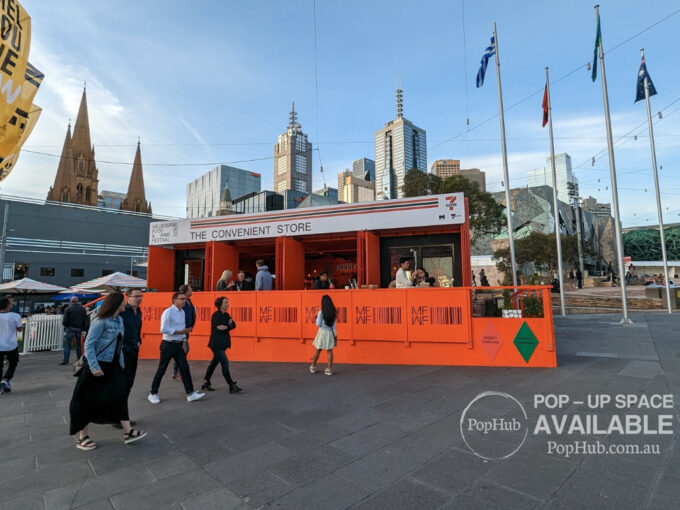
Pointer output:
x,y
100,395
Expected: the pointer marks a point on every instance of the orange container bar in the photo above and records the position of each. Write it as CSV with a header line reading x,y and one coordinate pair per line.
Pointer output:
x,y
415,326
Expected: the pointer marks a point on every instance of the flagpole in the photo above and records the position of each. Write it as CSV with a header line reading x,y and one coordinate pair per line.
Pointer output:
x,y
615,192
555,202
511,235
658,195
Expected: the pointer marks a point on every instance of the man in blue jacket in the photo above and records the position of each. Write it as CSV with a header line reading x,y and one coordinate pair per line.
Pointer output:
x,y
190,313
263,279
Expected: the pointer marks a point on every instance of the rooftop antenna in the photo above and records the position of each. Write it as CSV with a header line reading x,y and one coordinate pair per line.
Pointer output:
x,y
293,116
400,103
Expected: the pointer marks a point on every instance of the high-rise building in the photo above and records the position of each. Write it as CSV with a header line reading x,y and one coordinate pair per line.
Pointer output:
x,y
77,175
292,198
399,147
475,175
543,176
352,189
444,168
205,193
364,168
293,159
258,202
598,209
110,199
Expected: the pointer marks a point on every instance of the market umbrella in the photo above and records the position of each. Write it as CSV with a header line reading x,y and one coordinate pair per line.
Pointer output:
x,y
29,286
113,282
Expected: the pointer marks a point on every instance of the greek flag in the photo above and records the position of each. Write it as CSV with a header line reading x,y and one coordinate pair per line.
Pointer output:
x,y
489,52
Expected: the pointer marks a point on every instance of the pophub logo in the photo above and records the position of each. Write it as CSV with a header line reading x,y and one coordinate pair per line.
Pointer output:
x,y
494,425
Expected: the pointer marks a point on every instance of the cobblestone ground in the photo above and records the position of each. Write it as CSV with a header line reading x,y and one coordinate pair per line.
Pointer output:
x,y
383,437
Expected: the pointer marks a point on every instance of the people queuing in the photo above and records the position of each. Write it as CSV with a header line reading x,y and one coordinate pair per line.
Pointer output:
x,y
174,346
10,323
221,324
101,392
327,335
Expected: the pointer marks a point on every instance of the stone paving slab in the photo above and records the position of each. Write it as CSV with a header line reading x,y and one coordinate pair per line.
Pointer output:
x,y
370,437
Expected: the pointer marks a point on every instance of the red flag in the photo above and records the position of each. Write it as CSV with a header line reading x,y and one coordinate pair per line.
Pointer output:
x,y
545,106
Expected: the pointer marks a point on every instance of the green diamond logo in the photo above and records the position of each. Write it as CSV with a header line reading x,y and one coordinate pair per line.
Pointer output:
x,y
525,342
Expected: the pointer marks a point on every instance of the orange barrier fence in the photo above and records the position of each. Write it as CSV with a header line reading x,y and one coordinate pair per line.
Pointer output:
x,y
417,326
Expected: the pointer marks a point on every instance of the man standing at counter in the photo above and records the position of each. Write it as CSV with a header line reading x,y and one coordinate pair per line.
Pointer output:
x,y
402,278
263,279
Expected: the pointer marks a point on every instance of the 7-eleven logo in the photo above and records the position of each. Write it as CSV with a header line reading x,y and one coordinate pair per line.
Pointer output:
x,y
451,202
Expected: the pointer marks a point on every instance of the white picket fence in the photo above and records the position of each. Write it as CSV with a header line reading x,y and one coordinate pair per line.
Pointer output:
x,y
43,332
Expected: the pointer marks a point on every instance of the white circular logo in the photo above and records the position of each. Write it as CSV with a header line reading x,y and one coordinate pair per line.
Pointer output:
x,y
494,425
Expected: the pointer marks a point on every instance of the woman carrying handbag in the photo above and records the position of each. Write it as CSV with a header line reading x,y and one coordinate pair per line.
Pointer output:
x,y
100,395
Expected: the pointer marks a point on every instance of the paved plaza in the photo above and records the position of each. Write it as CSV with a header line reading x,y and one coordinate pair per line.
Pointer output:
x,y
369,437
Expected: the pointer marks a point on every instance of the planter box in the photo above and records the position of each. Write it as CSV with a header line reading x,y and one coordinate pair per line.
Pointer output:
x,y
512,314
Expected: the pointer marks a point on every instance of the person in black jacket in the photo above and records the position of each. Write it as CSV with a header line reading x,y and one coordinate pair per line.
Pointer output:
x,y
190,314
75,321
220,341
242,282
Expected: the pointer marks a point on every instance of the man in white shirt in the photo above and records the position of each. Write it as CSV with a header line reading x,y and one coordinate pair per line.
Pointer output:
x,y
402,278
174,346
10,323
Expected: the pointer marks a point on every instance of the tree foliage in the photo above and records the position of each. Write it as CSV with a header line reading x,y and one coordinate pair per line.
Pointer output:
x,y
537,252
486,215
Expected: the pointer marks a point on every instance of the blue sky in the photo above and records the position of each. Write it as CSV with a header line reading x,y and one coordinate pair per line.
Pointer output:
x,y
212,82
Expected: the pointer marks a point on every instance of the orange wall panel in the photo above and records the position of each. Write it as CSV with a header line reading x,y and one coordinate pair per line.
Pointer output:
x,y
279,314
438,315
379,314
311,304
161,269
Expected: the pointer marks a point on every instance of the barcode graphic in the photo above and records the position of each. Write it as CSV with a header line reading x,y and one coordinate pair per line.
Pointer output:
x,y
288,314
204,313
386,315
242,314
446,315
342,314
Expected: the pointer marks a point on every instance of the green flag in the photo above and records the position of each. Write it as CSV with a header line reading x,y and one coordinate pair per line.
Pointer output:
x,y
598,42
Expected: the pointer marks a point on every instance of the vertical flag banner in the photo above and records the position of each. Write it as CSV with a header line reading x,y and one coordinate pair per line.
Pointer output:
x,y
19,82
545,106
598,42
489,52
642,74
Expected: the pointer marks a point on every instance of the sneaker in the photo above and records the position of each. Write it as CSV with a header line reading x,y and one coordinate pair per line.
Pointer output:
x,y
6,387
328,371
154,398
195,396
64,363
312,369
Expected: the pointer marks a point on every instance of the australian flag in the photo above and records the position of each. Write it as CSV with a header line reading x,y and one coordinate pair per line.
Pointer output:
x,y
489,52
642,74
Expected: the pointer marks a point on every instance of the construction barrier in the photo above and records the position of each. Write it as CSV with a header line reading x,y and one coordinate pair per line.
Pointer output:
x,y
415,326
43,332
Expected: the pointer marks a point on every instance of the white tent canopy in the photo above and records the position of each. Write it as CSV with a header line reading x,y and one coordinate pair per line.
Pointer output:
x,y
28,286
113,281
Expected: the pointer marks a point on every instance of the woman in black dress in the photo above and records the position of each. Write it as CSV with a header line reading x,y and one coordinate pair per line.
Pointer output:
x,y
220,341
100,395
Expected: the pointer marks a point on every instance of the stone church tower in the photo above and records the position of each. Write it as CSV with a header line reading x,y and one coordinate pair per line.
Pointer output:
x,y
136,197
77,175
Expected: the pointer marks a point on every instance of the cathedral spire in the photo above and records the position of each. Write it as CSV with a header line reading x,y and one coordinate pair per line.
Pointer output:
x,y
64,182
136,197
81,130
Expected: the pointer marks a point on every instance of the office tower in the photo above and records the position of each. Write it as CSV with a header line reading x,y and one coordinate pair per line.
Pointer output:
x,y
399,147
352,189
444,168
293,159
364,168
543,176
205,193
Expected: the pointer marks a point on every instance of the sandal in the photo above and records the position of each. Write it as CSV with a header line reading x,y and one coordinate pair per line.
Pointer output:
x,y
85,443
133,435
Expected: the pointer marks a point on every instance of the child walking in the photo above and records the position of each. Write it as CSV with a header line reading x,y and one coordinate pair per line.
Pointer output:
x,y
327,336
